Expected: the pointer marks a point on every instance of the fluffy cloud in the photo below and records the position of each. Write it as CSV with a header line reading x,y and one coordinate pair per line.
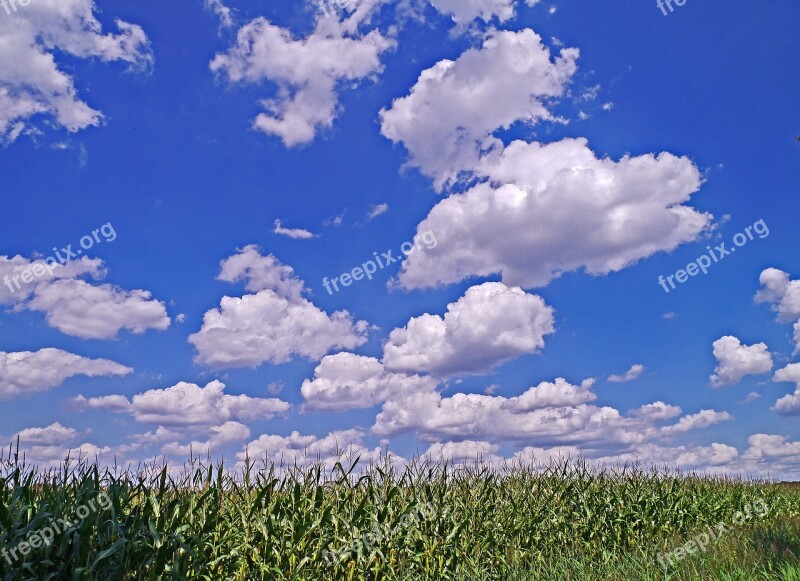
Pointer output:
x,y
769,455
77,307
31,82
346,381
272,325
227,433
455,106
556,208
633,373
490,324
703,419
308,72
29,372
464,11
551,414
188,407
80,309
465,451
735,361
784,296
303,450
560,207
789,405
53,435
780,291
48,447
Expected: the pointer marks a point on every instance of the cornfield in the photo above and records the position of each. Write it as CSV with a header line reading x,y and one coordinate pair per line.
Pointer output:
x,y
563,520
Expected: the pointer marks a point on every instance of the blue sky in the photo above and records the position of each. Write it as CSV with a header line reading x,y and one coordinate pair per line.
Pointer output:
x,y
552,161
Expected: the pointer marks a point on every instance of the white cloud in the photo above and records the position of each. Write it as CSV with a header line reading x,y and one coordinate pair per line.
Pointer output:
x,y
789,405
735,361
295,233
273,325
261,273
29,372
377,210
346,381
490,324
308,72
53,435
553,395
549,414
454,108
784,295
781,292
556,208
224,13
80,309
303,450
48,447
227,433
32,84
771,455
465,451
187,407
76,307
702,419
465,11
633,373
658,411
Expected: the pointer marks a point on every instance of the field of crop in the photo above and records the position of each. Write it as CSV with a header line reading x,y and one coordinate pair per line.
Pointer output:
x,y
560,521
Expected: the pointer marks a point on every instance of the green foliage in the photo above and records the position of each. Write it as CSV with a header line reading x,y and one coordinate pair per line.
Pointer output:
x,y
564,520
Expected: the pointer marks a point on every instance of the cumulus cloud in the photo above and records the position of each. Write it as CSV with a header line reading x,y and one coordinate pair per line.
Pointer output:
x,y
703,419
454,108
28,372
48,447
633,373
227,433
559,208
75,307
346,381
273,325
261,273
789,405
490,324
735,361
53,435
465,11
83,310
551,414
188,407
302,450
783,294
464,451
770,455
308,72
34,39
